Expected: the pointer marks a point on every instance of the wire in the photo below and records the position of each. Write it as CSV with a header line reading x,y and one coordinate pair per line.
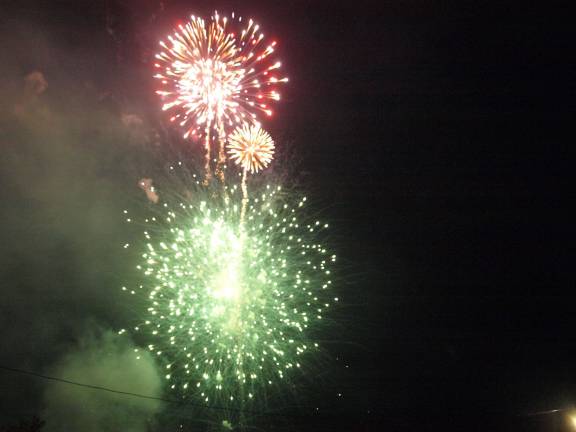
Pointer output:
x,y
125,393
182,403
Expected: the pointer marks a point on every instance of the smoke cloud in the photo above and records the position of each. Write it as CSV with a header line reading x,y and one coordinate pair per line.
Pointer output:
x,y
71,155
107,360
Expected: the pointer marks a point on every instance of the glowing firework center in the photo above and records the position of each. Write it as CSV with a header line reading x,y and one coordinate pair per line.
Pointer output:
x,y
213,271
228,282
207,89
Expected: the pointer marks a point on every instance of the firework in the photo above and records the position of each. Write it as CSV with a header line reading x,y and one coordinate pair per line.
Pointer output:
x,y
217,75
251,147
230,306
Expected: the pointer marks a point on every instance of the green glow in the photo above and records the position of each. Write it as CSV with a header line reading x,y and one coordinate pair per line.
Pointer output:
x,y
230,306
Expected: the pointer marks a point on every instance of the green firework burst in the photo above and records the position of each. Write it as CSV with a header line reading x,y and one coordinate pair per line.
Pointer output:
x,y
231,305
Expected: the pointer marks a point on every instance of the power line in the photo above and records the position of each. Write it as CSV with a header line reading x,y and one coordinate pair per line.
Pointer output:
x,y
125,393
183,403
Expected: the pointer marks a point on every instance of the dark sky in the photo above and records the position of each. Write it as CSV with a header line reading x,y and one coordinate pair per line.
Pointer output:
x,y
435,134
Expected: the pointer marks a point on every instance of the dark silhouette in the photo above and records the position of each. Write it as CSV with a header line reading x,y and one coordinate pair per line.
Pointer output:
x,y
33,425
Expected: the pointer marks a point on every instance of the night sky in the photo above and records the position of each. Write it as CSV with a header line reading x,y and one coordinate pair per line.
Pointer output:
x,y
432,135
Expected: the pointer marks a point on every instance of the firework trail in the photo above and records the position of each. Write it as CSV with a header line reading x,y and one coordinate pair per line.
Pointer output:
x,y
215,76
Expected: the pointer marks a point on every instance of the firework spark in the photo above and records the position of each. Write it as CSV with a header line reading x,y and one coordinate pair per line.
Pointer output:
x,y
251,147
230,306
217,75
